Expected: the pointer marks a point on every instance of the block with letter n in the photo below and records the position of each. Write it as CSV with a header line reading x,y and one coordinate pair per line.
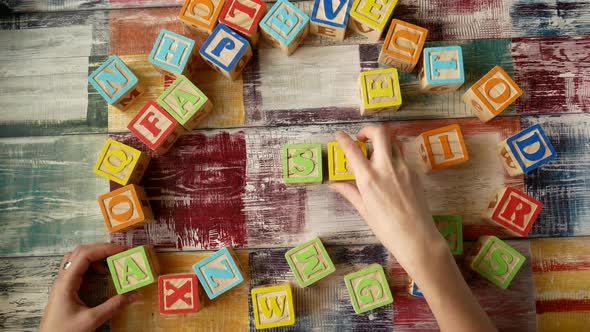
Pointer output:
x,y
174,54
178,294
309,262
243,16
368,289
526,151
116,83
121,163
380,91
442,69
369,17
185,102
272,306
226,51
403,45
329,18
302,163
155,127
285,26
338,167
442,147
495,260
219,272
134,268
125,207
514,210
201,15
451,228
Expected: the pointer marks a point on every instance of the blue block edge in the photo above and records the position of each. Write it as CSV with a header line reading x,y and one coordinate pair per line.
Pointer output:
x,y
314,12
511,139
426,55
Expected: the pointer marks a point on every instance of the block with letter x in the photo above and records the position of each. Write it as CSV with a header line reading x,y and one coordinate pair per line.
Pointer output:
x,y
368,288
174,54
116,83
442,147
226,51
121,163
526,151
442,69
495,260
178,294
273,306
219,272
329,18
513,210
155,127
133,268
125,207
285,26
309,262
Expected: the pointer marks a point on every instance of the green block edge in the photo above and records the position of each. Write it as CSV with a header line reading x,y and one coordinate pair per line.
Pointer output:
x,y
504,245
312,179
331,268
170,110
387,291
459,220
121,290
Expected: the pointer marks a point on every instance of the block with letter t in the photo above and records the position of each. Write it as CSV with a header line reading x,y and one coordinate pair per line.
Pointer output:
x,y
370,17
185,102
495,260
338,167
309,262
243,16
513,210
226,51
121,163
285,26
179,294
174,54
219,272
403,45
526,151
368,288
155,127
442,69
133,268
380,91
116,83
329,18
302,163
442,147
200,15
272,306
125,207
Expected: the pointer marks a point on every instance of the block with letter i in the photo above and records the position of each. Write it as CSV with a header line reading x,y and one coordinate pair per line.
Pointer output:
x,y
201,15
302,163
116,83
513,210
526,151
442,147
219,272
125,207
226,51
178,294
491,94
369,17
121,163
338,167
155,127
451,228
185,102
285,26
243,16
442,69
134,268
403,45
495,260
309,262
329,18
414,290
272,306
380,91
368,289
174,54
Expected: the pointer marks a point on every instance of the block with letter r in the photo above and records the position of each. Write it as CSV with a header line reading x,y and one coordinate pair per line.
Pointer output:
x,y
116,83
285,26
495,260
368,288
329,18
451,228
243,16
226,51
526,151
173,54
309,262
219,272
302,163
442,69
514,210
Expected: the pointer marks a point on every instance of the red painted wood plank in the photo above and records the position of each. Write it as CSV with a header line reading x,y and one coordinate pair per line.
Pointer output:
x,y
562,305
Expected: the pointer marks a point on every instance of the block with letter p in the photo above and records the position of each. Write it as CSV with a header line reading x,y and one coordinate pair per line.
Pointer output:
x,y
513,210
243,16
309,262
285,26
178,294
155,127
116,83
442,69
133,268
380,91
125,207
451,228
329,18
368,289
302,163
185,102
369,17
403,45
272,306
442,147
201,15
495,260
219,272
121,163
525,151
338,167
226,51
174,54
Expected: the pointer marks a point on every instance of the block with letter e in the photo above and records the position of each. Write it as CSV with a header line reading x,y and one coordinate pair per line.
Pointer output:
x,y
125,207
121,163
178,294
451,228
134,268
155,127
174,54
442,147
369,17
338,167
272,306
403,45
219,272
302,163
226,51
380,91
526,151
116,83
200,15
329,18
442,69
185,102
243,16
513,210
285,26
495,260
368,289
309,262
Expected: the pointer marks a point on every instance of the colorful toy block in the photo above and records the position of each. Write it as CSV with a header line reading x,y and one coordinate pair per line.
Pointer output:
x,y
174,54
329,18
185,102
201,15
116,83
526,151
243,16
492,94
178,294
338,168
302,163
133,268
496,261
309,262
155,127
451,228
121,163
273,306
513,210
442,147
219,272
414,290
369,17
403,45
226,51
368,289
125,207
380,91
442,69
285,26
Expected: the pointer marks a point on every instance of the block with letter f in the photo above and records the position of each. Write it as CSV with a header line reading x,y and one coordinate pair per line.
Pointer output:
x,y
155,127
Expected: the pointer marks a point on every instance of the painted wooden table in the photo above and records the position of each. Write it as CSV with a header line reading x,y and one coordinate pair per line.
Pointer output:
x,y
221,185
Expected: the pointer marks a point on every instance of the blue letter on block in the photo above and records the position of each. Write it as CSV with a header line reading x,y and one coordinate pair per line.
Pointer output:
x,y
171,51
284,17
434,65
112,71
529,148
218,273
224,54
331,13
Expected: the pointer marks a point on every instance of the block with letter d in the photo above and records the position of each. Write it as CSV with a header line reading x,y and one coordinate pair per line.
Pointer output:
x,y
525,151
380,91
309,262
121,163
116,83
495,260
200,15
338,167
368,289
302,163
185,102
285,26
125,207
329,18
403,45
369,17
442,69
243,16
272,306
178,294
442,147
219,272
226,51
134,268
174,54
451,228
514,210
155,127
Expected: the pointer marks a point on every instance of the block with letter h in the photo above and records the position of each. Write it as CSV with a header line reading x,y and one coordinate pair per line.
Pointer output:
x,y
514,210
116,83
403,45
185,102
329,18
219,272
442,147
226,51
302,163
201,15
526,151
174,54
451,228
125,207
272,306
133,268
179,294
368,289
491,94
495,260
338,168
243,16
380,91
369,17
155,127
285,26
309,262
121,163
442,69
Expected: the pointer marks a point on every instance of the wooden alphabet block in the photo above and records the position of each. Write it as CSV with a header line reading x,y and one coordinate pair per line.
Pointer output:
x,y
285,26
338,168
442,69
201,15
178,294
526,151
309,262
185,102
219,272
125,207
380,91
226,51
174,54
442,147
513,210
496,261
369,17
329,18
243,16
451,228
155,127
368,289
302,163
414,290
121,163
116,83
492,94
403,45
133,268
273,306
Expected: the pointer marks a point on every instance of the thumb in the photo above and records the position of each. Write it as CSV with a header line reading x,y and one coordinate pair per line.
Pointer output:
x,y
110,307
351,193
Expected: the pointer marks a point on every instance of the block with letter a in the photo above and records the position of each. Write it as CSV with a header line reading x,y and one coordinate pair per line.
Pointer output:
x,y
513,210
380,91
125,207
403,45
155,127
121,163
201,15
442,147
134,268
495,260
185,102
178,294
285,26
273,306
338,167
219,272
368,289
174,54
116,83
226,51
302,163
369,17
451,228
243,16
526,151
329,18
442,69
309,262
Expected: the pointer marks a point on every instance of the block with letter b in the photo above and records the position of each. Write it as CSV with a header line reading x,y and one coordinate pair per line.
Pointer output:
x,y
309,262
219,272
243,16
495,260
185,102
201,15
442,69
226,51
442,147
368,289
338,167
525,151
178,294
273,306
155,127
451,228
133,268
174,54
125,207
121,163
369,17
380,91
513,210
491,94
302,163
403,45
116,83
329,18
285,26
